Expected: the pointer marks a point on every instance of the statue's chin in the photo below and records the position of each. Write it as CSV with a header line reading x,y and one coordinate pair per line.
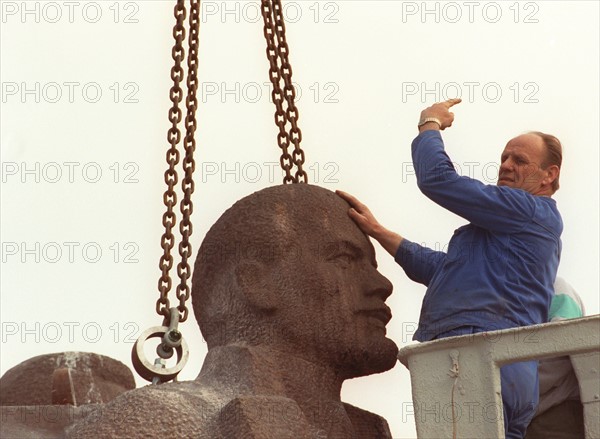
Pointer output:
x,y
376,358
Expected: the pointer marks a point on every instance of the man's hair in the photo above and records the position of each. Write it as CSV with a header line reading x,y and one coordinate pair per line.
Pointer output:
x,y
553,154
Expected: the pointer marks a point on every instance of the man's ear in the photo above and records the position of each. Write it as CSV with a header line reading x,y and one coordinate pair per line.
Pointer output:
x,y
257,285
552,173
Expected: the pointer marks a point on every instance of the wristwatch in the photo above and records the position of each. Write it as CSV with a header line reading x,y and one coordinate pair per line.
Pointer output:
x,y
429,119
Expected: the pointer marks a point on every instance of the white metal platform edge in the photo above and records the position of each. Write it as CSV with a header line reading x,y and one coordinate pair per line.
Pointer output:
x,y
456,381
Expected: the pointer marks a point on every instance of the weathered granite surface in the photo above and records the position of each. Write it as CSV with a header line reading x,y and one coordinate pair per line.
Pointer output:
x,y
288,297
43,395
74,378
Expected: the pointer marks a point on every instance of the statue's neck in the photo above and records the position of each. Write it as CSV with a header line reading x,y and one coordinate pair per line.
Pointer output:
x,y
240,371
267,371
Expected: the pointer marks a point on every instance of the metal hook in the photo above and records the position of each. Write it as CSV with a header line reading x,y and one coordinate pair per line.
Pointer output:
x,y
171,340
172,337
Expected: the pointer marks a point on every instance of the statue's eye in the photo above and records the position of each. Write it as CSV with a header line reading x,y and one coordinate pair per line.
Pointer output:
x,y
344,259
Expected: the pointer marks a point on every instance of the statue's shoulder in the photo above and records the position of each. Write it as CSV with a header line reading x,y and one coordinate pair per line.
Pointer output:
x,y
183,409
366,424
189,410
263,416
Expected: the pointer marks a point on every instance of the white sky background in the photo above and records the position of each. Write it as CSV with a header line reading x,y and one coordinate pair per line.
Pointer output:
x,y
362,68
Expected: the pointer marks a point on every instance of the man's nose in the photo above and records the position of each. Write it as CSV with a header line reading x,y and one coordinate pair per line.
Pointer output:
x,y
507,165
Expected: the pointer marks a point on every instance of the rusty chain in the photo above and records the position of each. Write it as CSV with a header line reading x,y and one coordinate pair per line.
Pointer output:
x,y
191,102
286,111
171,178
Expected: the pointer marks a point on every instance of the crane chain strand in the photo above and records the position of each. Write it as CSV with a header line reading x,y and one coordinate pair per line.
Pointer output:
x,y
191,102
173,156
173,137
286,111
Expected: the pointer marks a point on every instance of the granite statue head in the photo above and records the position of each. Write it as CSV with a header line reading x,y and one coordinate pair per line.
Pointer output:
x,y
287,268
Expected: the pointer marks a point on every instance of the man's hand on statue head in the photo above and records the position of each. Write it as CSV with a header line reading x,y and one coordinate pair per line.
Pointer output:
x,y
438,116
361,214
365,220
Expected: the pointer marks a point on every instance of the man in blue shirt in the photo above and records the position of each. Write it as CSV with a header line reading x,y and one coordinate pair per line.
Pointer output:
x,y
499,269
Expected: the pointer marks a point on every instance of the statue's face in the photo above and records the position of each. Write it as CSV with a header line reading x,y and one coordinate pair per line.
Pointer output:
x,y
317,295
335,305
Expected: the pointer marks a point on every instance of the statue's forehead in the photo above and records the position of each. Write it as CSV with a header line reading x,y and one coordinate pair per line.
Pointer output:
x,y
300,215
333,237
323,219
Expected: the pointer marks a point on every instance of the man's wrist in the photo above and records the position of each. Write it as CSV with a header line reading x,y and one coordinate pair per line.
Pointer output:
x,y
425,119
378,232
429,123
427,126
389,240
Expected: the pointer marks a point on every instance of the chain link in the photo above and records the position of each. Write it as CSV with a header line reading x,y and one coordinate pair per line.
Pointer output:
x,y
286,113
285,108
187,186
171,178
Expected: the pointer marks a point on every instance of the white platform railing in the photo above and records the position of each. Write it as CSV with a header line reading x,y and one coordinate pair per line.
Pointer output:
x,y
456,380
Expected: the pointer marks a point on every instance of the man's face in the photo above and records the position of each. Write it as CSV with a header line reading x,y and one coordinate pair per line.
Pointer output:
x,y
337,297
521,164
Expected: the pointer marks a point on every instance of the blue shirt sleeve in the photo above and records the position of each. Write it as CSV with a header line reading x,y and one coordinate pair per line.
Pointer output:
x,y
419,263
495,208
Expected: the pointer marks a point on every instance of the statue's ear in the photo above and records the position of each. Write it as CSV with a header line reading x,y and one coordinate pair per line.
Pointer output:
x,y
256,283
